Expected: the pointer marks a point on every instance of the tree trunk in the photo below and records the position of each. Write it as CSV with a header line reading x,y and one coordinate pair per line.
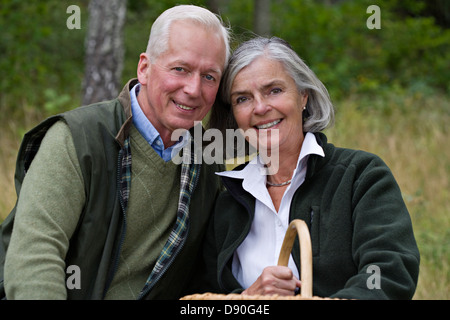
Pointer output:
x,y
261,17
104,50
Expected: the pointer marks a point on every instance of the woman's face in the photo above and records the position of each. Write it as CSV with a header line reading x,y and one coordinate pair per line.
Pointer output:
x,y
264,97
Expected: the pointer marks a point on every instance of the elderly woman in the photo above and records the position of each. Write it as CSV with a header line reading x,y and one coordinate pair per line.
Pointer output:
x,y
359,225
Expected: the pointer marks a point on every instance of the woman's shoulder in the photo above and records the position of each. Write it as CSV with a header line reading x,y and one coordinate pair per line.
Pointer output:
x,y
348,156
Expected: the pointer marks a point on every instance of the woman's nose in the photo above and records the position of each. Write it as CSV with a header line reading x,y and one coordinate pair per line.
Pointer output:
x,y
261,106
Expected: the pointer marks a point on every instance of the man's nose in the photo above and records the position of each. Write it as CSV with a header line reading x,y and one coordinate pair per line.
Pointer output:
x,y
193,85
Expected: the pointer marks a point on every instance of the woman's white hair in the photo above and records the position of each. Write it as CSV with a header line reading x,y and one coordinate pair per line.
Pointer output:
x,y
159,33
319,113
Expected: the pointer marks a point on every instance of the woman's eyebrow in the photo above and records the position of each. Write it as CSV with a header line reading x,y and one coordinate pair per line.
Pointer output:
x,y
263,87
272,83
238,93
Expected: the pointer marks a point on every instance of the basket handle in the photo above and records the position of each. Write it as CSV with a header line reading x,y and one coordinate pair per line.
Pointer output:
x,y
305,253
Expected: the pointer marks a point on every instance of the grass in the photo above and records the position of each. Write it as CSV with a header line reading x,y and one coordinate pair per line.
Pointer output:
x,y
409,131
13,127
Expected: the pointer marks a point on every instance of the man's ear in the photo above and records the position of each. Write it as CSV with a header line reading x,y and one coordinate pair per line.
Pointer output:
x,y
143,68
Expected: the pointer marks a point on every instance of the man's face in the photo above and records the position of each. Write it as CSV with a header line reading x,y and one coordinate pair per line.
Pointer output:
x,y
180,86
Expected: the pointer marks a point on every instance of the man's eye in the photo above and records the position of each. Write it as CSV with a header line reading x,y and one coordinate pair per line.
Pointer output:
x,y
179,69
209,77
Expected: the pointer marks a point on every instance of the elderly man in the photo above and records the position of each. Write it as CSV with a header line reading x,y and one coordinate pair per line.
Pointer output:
x,y
102,211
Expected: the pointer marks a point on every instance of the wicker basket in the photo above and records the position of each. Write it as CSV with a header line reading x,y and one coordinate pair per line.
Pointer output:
x,y
296,227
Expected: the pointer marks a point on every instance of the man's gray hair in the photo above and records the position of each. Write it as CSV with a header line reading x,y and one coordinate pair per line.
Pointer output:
x,y
159,34
319,109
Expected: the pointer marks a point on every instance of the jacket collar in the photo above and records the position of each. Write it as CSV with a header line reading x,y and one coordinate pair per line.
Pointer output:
x,y
315,163
125,101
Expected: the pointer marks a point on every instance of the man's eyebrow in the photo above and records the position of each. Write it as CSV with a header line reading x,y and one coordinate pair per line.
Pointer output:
x,y
218,71
213,70
186,64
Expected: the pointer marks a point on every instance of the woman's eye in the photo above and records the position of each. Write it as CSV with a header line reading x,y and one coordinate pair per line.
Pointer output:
x,y
275,90
240,100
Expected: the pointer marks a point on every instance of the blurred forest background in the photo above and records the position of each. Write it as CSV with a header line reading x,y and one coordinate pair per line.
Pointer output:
x,y
390,86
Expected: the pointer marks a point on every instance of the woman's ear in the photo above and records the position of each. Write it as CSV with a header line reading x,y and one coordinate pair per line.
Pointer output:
x,y
304,98
305,112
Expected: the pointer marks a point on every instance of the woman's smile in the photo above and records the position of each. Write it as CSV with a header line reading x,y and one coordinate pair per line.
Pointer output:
x,y
268,125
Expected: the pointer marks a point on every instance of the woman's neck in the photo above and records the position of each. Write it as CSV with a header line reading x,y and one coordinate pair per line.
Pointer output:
x,y
281,163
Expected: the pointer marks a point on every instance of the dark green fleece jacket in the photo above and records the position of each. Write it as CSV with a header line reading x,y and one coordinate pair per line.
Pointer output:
x,y
360,228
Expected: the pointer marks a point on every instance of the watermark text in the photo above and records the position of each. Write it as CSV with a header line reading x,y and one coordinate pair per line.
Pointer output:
x,y
74,20
374,21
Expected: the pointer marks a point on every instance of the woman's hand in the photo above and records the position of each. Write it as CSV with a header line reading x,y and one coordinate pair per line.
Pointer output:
x,y
274,280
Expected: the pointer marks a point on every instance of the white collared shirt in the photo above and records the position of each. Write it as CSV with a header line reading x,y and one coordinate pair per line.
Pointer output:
x,y
261,248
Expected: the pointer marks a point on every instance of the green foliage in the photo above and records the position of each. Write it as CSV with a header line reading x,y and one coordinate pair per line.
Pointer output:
x,y
335,41
54,101
410,52
37,51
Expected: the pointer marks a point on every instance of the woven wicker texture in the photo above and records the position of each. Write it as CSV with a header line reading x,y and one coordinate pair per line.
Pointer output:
x,y
234,296
296,227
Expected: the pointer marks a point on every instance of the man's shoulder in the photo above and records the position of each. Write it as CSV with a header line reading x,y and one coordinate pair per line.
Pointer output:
x,y
94,112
